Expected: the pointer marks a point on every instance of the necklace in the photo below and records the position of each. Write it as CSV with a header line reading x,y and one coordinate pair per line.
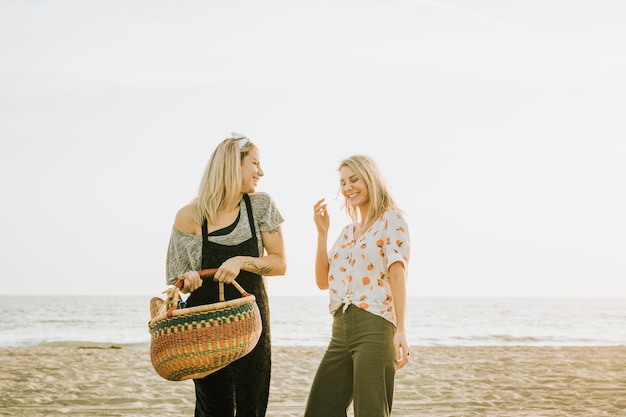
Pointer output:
x,y
360,230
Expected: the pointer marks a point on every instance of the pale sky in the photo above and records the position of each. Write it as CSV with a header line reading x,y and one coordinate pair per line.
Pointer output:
x,y
500,125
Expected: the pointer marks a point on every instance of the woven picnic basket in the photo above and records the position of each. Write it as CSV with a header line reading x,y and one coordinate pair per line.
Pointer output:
x,y
189,343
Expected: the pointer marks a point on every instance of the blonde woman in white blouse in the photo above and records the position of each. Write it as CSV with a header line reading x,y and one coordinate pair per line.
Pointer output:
x,y
365,274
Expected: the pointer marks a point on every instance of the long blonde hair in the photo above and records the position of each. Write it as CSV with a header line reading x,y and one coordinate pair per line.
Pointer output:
x,y
380,198
220,188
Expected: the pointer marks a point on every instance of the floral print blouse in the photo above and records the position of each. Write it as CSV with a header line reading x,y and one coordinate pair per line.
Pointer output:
x,y
359,270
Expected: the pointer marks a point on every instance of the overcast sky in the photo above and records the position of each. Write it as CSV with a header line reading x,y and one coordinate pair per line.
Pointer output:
x,y
500,125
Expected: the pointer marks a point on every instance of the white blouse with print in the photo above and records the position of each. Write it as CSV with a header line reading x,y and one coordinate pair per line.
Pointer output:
x,y
359,270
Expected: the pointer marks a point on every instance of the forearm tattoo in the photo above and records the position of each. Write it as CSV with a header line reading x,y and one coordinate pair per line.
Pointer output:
x,y
262,270
256,269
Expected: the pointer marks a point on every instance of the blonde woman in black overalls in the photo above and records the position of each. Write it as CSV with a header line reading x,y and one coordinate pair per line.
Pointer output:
x,y
236,230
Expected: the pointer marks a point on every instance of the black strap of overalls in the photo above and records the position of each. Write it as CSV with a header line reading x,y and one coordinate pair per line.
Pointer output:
x,y
205,230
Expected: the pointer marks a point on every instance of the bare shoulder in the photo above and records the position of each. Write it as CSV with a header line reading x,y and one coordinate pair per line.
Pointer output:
x,y
185,223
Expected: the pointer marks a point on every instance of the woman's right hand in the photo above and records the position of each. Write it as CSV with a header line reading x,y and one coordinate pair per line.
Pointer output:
x,y
191,281
320,216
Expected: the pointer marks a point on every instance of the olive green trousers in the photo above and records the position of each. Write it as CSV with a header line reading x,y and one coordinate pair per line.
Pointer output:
x,y
357,368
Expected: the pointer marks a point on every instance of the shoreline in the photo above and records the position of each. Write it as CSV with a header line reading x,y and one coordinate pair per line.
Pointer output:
x,y
502,381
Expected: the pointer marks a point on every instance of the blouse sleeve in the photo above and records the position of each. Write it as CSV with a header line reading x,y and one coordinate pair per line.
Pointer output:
x,y
398,247
184,253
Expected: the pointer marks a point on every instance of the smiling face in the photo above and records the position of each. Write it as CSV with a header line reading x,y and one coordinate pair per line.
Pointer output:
x,y
251,171
353,188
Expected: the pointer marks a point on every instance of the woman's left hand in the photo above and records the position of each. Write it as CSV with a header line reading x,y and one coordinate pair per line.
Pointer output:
x,y
228,271
403,350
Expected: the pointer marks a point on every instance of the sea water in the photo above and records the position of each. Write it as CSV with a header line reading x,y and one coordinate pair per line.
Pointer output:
x,y
305,321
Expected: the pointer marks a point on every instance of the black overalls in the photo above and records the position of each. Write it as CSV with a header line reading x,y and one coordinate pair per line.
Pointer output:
x,y
242,386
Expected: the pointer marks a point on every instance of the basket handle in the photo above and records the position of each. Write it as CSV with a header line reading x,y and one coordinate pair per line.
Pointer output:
x,y
209,273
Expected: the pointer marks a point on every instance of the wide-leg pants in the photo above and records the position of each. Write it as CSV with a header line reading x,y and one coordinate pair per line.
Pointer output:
x,y
358,366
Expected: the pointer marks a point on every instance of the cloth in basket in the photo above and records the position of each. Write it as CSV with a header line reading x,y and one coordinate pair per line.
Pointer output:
x,y
190,343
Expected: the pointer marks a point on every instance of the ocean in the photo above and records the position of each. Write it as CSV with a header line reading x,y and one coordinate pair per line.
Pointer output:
x,y
304,321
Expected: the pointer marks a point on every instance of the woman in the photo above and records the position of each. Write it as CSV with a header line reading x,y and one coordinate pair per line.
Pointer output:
x,y
365,273
231,228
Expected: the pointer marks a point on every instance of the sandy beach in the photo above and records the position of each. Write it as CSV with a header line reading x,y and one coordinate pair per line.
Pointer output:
x,y
440,381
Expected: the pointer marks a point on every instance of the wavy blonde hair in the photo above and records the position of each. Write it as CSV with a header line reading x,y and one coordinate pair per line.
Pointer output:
x,y
220,187
380,198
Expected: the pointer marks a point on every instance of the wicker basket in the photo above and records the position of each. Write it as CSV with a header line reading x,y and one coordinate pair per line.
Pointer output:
x,y
189,343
